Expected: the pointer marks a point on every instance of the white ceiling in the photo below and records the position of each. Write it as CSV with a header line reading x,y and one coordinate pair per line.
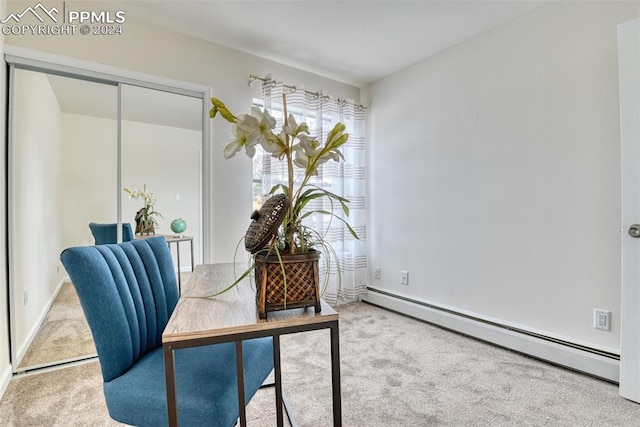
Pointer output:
x,y
139,104
355,42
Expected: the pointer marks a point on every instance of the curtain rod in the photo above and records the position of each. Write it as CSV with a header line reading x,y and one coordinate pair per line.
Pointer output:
x,y
253,78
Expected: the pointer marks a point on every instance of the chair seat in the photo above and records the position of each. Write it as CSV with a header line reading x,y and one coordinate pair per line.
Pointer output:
x,y
206,383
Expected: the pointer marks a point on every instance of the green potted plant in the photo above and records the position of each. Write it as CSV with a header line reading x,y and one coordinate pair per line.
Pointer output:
x,y
294,240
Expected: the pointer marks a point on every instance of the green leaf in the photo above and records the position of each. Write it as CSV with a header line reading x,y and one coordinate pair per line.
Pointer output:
x,y
283,187
343,202
351,230
330,194
233,285
284,275
302,202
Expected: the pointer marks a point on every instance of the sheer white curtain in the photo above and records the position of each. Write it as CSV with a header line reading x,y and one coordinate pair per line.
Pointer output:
x,y
346,179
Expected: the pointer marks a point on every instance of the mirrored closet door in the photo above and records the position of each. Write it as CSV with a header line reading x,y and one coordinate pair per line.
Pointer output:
x,y
63,174
75,142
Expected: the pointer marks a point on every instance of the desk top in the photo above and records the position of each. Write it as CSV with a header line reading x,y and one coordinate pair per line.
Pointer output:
x,y
231,313
167,237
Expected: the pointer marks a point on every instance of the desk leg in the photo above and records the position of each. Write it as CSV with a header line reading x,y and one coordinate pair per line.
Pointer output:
x,y
278,379
169,371
240,372
192,261
335,375
178,255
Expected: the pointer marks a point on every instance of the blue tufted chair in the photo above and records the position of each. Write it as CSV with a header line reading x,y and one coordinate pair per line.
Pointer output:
x,y
128,292
107,233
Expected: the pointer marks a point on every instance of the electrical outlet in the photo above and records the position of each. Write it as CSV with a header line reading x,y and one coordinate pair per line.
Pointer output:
x,y
601,319
404,277
376,273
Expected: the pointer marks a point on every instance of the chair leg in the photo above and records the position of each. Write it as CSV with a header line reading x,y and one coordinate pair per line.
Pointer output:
x,y
288,410
287,407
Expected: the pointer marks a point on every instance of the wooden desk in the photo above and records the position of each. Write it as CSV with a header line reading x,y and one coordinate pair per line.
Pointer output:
x,y
173,238
233,317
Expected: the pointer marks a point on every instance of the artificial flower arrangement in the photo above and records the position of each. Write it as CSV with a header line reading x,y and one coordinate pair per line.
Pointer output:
x,y
302,152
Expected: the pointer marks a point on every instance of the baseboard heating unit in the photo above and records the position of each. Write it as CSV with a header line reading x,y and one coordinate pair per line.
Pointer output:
x,y
596,362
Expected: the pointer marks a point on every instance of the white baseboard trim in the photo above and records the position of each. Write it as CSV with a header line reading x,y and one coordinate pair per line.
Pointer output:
x,y
22,350
594,363
4,380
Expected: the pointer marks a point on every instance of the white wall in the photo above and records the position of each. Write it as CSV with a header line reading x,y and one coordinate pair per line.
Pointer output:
x,y
35,164
89,176
494,171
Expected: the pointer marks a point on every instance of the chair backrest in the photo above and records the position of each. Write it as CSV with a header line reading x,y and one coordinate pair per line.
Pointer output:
x,y
107,233
127,292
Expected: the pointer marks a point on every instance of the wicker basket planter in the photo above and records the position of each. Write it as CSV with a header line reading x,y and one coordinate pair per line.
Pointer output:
x,y
302,284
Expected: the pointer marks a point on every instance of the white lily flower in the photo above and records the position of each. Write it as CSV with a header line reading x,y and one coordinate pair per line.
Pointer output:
x,y
258,125
231,148
303,128
267,121
247,124
293,129
336,155
248,141
277,144
272,147
265,125
301,159
309,147
269,146
323,159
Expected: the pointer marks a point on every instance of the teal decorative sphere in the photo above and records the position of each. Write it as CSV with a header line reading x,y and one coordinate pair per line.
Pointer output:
x,y
178,225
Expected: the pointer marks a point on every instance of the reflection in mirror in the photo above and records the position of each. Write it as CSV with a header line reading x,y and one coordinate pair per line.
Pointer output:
x,y
161,149
64,173
64,165
62,176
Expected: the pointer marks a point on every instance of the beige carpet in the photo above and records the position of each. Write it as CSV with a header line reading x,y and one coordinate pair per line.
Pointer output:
x,y
64,333
396,371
